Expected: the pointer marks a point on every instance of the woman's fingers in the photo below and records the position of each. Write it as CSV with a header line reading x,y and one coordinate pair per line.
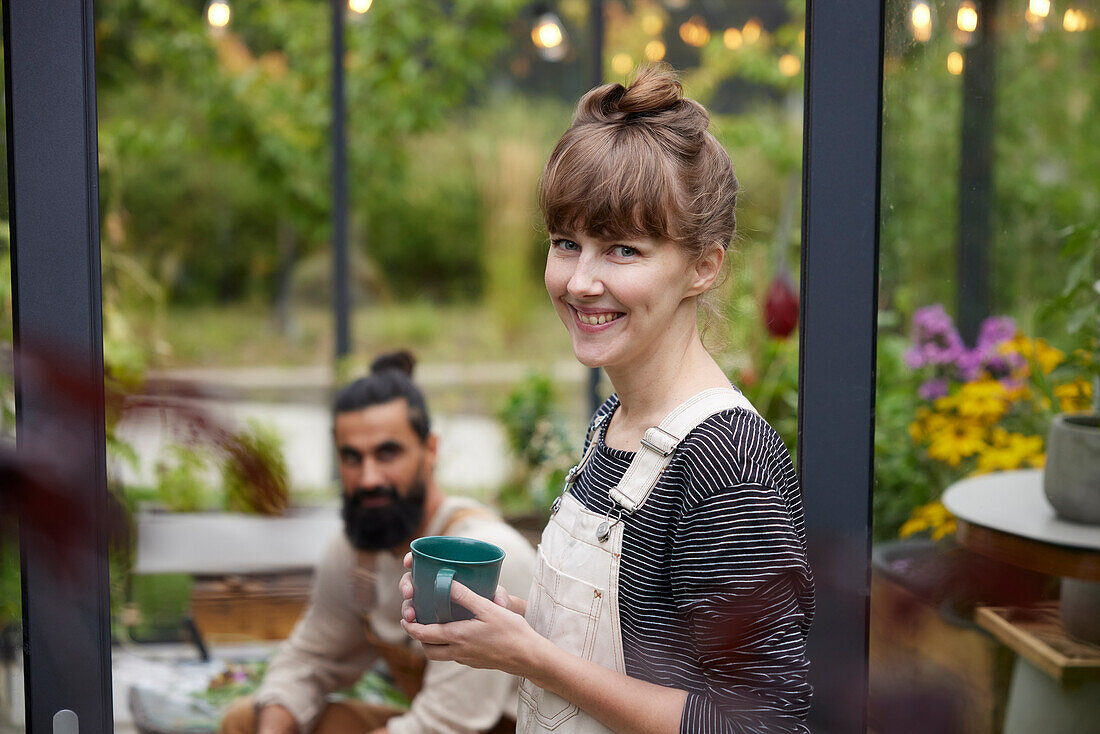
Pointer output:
x,y
407,562
428,634
476,603
406,586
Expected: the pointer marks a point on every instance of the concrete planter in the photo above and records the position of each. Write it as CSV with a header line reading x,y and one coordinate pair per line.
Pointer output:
x,y
223,543
1071,479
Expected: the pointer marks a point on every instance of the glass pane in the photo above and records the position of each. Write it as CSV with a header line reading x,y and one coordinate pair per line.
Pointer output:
x,y
215,149
988,331
11,642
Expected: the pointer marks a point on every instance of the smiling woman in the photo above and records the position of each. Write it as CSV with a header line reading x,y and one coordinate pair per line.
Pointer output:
x,y
672,590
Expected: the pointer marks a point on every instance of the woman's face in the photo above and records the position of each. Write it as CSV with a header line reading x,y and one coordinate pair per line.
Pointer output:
x,y
621,300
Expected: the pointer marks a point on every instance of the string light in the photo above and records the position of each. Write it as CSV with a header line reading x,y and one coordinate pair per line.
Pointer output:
x,y
548,35
789,65
652,23
218,14
751,31
733,38
622,63
655,50
1075,20
694,32
967,17
360,6
955,63
920,19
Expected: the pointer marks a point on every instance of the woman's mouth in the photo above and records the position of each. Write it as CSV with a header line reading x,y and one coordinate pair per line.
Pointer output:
x,y
596,320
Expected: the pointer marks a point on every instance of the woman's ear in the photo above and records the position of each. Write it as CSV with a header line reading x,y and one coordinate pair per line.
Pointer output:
x,y
706,270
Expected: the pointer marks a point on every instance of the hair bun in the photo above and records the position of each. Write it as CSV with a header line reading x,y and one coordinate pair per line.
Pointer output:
x,y
654,92
402,361
654,89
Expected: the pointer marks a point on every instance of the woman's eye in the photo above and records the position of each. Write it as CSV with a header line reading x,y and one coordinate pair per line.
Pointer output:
x,y
624,251
566,245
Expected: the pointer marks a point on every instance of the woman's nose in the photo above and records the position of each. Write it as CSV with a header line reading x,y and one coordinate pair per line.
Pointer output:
x,y
585,280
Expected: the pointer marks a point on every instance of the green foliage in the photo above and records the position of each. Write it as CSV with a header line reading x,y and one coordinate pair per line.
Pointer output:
x,y
11,593
1045,178
904,477
1075,311
538,439
254,472
182,485
236,126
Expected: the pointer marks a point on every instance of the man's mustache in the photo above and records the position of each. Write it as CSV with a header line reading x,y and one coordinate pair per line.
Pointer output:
x,y
362,494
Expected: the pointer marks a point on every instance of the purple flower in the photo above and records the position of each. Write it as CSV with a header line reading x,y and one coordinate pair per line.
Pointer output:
x,y
936,341
969,365
933,389
995,330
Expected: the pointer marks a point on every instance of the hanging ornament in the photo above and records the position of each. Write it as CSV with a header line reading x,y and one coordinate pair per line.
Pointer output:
x,y
781,305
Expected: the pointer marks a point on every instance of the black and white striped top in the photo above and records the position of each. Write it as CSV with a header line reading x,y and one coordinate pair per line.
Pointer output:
x,y
715,593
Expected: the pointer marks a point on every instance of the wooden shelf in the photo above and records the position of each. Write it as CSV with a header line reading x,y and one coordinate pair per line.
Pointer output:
x,y
1037,634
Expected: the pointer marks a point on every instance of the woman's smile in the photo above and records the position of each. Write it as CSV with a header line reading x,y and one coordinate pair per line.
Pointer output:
x,y
592,321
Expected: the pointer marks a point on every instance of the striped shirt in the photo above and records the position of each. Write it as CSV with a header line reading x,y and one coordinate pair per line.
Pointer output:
x,y
715,593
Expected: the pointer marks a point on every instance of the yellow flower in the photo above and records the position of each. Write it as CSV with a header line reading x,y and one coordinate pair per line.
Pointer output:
x,y
983,400
1038,461
1008,451
945,529
912,527
955,442
932,516
946,404
1047,356
1074,396
1040,350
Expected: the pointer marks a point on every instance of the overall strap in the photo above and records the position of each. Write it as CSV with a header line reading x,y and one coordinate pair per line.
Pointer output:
x,y
659,442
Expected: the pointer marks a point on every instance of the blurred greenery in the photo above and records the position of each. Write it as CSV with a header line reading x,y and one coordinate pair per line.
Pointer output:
x,y
539,440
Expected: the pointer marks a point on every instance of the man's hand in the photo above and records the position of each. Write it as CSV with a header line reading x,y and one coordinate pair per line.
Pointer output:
x,y
276,719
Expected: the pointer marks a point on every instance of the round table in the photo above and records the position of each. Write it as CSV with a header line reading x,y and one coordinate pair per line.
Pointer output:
x,y
1006,516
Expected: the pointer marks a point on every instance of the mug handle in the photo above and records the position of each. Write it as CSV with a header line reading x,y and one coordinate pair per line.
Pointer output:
x,y
443,581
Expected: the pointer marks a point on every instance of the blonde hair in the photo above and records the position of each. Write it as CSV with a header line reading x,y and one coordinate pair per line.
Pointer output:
x,y
638,161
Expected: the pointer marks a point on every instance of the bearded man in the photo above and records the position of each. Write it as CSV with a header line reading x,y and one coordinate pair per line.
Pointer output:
x,y
386,453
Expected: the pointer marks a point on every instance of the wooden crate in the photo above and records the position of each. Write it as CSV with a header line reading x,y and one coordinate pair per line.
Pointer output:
x,y
1038,635
249,607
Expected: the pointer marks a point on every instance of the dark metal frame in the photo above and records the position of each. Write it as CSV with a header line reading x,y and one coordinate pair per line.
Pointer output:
x,y
54,206
341,277
55,234
840,231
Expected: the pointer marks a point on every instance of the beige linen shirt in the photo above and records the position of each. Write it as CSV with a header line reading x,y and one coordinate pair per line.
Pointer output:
x,y
328,649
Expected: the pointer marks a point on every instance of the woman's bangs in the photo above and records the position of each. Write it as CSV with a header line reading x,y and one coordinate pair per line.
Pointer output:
x,y
609,191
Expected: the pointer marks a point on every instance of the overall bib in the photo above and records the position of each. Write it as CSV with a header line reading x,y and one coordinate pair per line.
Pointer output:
x,y
574,595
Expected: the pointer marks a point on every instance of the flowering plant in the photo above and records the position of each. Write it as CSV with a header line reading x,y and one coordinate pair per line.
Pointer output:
x,y
984,408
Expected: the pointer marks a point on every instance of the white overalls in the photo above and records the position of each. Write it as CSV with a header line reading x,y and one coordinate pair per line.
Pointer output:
x,y
574,595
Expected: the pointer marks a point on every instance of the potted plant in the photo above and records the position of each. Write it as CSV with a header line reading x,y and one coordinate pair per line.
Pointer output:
x,y
1071,479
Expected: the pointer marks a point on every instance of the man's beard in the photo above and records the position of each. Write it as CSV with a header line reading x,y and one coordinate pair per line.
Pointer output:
x,y
385,526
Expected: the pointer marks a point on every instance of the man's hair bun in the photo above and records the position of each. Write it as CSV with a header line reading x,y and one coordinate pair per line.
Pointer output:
x,y
401,361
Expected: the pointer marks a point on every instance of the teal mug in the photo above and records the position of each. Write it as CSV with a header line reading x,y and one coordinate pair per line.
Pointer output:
x,y
437,561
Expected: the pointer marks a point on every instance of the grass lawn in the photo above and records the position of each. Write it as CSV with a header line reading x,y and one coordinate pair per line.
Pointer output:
x,y
245,335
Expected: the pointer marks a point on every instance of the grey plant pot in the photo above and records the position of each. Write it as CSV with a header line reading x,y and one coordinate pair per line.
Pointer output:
x,y
1071,478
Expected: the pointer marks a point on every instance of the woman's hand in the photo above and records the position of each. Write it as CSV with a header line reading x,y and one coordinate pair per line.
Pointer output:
x,y
498,637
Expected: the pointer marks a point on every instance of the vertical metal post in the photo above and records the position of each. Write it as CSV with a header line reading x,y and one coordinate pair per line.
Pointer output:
x,y
840,226
596,24
975,221
54,206
341,292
